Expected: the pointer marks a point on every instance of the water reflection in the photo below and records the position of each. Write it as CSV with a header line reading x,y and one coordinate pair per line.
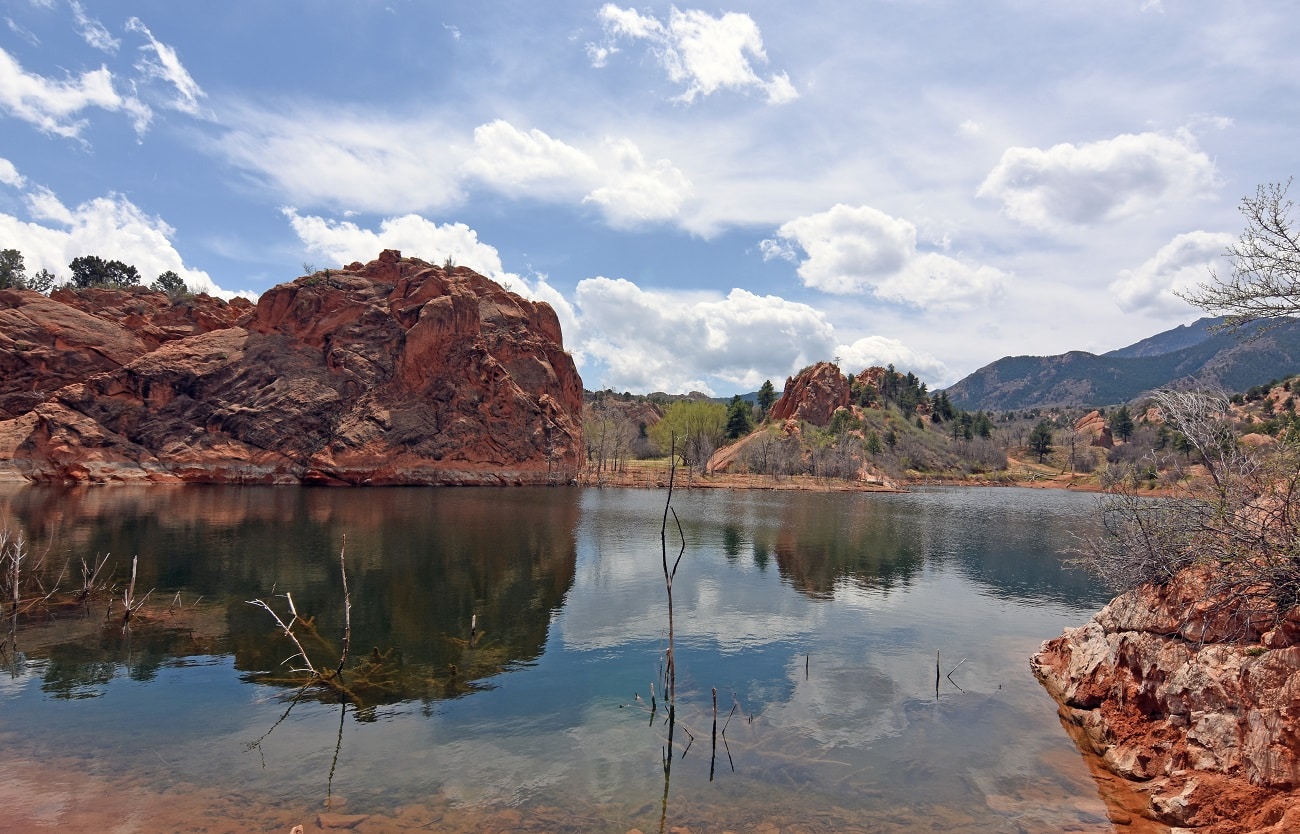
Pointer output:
x,y
421,565
820,615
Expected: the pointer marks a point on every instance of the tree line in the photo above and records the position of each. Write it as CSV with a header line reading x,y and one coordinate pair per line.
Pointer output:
x,y
87,271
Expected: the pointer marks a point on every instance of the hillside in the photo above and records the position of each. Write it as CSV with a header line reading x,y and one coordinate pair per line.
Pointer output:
x,y
1183,357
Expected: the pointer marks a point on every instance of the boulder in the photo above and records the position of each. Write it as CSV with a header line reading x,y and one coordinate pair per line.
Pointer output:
x,y
1195,701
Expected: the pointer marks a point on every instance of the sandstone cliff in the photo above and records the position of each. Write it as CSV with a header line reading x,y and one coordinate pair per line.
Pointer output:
x,y
1199,707
391,372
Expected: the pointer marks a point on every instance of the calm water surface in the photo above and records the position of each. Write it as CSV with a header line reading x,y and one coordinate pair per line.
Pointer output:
x,y
816,617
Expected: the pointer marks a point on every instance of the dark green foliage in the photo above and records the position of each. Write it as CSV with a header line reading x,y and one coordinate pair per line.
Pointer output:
x,y
1040,440
13,272
841,421
171,283
739,418
1121,423
42,281
94,271
766,397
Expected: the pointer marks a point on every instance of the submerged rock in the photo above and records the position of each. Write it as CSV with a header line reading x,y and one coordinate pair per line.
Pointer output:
x,y
391,372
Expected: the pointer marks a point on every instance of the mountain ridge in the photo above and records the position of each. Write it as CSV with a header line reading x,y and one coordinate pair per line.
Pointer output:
x,y
1186,356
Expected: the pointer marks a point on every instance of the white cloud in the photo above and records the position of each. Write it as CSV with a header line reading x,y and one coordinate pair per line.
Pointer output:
x,y
345,241
111,227
874,351
969,128
648,340
9,174
1077,185
356,160
361,162
92,31
1179,265
22,32
702,52
519,163
624,336
860,249
633,191
56,106
164,64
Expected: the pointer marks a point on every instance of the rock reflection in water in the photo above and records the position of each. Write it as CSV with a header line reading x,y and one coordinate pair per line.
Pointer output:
x,y
821,614
421,564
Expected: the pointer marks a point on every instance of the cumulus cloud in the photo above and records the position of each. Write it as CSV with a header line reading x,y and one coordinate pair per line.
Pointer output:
x,y
703,53
650,340
343,241
1077,185
57,106
873,351
160,61
632,191
92,31
859,249
626,337
1178,266
356,162
111,227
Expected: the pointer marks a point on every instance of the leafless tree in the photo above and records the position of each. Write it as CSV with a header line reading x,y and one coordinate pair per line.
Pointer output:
x,y
1265,279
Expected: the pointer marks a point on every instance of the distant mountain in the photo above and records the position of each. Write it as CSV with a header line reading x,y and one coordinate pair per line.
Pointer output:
x,y
1183,336
1179,358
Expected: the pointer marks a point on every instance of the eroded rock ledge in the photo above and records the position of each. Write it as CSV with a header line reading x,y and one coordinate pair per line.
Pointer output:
x,y
391,372
1198,707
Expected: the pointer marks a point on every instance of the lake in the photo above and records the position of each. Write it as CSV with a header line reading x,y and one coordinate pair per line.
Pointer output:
x,y
507,647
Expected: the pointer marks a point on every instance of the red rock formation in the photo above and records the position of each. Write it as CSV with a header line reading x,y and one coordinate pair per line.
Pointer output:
x,y
392,372
47,342
1093,426
813,395
1200,708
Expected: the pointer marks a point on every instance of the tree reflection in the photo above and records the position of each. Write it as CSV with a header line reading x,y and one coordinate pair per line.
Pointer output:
x,y
422,565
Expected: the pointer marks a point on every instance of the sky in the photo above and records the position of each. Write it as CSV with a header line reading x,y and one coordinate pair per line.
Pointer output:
x,y
709,196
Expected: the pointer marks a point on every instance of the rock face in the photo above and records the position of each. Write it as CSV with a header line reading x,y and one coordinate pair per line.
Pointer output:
x,y
1198,706
392,372
813,395
1093,426
49,342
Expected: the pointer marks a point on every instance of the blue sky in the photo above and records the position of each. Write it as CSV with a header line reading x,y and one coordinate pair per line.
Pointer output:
x,y
709,196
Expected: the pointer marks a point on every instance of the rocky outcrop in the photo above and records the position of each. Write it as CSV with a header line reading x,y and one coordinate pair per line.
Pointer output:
x,y
1196,703
812,395
392,372
1093,426
47,342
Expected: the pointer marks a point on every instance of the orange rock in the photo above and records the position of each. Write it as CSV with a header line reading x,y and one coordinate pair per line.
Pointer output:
x,y
1175,691
813,395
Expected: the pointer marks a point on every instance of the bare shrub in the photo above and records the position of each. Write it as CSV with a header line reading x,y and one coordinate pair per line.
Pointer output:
x,y
1240,520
